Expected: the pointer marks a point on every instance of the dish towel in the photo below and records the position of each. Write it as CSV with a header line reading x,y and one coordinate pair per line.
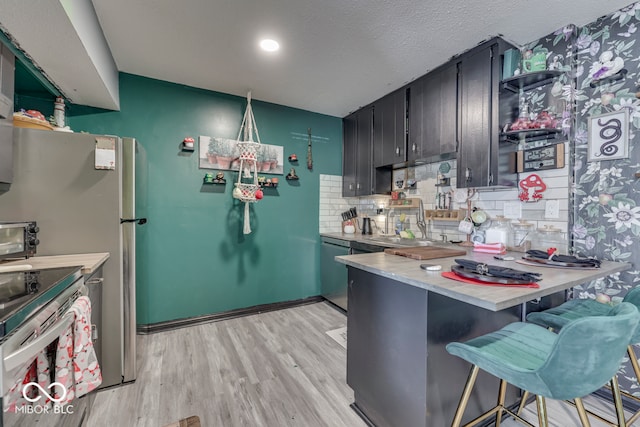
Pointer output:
x,y
490,248
77,366
37,371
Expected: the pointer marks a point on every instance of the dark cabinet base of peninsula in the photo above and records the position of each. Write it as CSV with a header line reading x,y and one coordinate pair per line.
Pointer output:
x,y
397,364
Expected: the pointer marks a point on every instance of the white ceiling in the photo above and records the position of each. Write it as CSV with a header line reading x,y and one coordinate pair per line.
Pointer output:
x,y
336,55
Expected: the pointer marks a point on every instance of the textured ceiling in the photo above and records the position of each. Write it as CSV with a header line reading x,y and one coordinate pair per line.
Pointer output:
x,y
336,55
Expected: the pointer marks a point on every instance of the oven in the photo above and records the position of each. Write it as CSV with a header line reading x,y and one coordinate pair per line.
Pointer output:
x,y
18,239
34,311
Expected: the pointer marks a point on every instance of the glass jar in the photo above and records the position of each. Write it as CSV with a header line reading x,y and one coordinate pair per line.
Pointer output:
x,y
549,237
522,231
499,231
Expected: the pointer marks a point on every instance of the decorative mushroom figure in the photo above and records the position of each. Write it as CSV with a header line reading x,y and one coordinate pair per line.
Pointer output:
x,y
531,188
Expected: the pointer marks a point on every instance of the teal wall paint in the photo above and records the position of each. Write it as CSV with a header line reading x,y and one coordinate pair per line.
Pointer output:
x,y
192,256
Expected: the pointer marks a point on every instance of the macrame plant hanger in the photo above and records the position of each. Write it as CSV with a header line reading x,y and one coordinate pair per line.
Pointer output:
x,y
247,184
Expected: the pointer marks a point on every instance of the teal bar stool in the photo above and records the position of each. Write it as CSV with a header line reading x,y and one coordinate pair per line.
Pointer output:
x,y
558,317
574,363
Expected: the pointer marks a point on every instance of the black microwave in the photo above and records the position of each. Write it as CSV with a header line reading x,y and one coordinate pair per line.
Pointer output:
x,y
18,239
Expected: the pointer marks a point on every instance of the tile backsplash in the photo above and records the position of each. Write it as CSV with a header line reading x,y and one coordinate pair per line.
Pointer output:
x,y
493,202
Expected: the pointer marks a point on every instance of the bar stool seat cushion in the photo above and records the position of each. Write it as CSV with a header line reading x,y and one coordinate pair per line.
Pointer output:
x,y
558,317
578,360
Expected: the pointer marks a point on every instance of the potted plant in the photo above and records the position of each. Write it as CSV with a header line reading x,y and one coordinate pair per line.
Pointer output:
x,y
226,151
273,157
212,150
263,165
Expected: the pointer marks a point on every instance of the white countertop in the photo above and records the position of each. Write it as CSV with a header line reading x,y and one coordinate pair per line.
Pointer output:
x,y
493,298
89,262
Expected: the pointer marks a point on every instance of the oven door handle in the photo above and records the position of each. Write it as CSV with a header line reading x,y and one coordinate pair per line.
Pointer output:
x,y
28,352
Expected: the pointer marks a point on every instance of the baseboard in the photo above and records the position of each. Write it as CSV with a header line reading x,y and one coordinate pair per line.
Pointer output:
x,y
216,317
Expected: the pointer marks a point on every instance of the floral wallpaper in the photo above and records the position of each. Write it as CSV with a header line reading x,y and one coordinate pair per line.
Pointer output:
x,y
606,195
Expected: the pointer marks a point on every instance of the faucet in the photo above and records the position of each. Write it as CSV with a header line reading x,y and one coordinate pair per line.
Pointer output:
x,y
420,222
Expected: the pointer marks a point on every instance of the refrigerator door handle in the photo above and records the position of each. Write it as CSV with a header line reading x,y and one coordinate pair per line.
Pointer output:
x,y
140,221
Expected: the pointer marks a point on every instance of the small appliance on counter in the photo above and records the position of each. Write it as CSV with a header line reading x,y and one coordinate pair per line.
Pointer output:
x,y
18,239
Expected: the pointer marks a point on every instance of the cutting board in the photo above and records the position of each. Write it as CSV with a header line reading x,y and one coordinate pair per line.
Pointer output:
x,y
426,252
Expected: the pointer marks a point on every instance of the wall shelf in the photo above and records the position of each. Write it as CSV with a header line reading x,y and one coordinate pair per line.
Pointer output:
x,y
530,81
530,134
617,76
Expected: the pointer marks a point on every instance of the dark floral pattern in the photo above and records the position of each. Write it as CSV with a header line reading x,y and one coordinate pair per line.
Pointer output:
x,y
606,217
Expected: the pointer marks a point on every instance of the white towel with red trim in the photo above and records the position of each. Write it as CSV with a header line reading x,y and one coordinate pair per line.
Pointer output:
x,y
490,248
77,366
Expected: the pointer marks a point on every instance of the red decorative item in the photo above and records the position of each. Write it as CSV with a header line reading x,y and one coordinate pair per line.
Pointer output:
x,y
531,188
258,194
545,121
35,114
521,124
551,251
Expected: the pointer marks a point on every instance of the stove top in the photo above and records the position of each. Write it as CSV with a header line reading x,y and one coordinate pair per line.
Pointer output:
x,y
23,293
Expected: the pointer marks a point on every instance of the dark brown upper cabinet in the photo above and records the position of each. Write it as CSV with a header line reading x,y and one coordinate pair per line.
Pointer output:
x,y
481,160
357,169
389,129
433,116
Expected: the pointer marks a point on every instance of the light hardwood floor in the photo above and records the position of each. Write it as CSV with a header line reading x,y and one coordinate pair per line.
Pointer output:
x,y
271,369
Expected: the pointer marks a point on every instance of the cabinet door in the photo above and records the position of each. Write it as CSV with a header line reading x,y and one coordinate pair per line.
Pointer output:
x,y
357,157
364,152
475,101
389,142
448,142
433,103
417,121
350,134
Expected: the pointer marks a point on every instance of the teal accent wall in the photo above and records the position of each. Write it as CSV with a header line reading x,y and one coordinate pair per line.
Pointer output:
x,y
192,257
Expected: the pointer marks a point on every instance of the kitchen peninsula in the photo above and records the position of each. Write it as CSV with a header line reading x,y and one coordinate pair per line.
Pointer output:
x,y
401,318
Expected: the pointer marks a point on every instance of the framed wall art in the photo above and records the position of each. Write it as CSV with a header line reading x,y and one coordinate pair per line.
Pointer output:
x,y
609,136
221,153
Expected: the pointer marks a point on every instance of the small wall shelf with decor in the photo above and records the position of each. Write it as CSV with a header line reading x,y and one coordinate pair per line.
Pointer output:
x,y
530,81
530,134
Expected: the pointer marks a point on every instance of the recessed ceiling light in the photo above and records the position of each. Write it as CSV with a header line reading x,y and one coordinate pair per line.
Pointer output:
x,y
269,45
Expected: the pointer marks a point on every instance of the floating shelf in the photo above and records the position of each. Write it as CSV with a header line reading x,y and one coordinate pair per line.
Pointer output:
x,y
530,134
617,76
292,178
530,81
189,149
268,184
215,182
293,160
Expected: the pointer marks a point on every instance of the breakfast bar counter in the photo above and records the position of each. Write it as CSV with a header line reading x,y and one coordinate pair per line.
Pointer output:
x,y
401,317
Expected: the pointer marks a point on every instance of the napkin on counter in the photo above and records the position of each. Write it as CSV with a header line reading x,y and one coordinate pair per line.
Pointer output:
x,y
591,262
496,271
490,248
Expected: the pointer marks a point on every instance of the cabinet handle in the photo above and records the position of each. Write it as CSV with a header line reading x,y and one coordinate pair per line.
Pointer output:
x,y
467,174
357,186
413,147
397,151
350,186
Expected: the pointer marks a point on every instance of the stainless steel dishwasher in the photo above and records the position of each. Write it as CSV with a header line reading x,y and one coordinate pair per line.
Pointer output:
x,y
333,275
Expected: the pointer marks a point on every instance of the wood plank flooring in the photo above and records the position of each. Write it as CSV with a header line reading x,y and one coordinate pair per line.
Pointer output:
x,y
271,369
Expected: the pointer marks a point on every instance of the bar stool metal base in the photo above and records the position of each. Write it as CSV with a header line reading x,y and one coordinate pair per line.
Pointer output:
x,y
499,409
